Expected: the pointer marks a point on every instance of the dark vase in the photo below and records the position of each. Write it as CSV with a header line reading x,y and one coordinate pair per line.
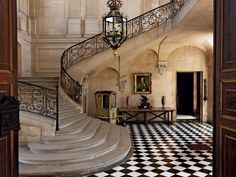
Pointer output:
x,y
163,101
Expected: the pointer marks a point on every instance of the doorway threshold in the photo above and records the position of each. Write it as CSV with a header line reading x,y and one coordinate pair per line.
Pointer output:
x,y
186,117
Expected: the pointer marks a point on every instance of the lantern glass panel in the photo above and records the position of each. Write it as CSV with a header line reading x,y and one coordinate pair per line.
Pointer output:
x,y
114,27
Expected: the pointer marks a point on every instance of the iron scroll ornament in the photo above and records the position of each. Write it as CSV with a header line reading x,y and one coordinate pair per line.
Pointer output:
x,y
37,99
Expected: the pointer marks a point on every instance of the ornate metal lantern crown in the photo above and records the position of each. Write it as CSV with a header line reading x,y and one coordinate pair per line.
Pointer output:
x,y
114,25
114,4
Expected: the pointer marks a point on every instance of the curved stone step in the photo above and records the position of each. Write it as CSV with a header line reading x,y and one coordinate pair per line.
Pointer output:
x,y
88,132
63,102
27,157
66,107
99,163
67,122
98,139
76,127
69,116
74,111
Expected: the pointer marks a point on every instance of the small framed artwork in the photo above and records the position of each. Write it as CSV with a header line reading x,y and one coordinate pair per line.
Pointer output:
x,y
143,83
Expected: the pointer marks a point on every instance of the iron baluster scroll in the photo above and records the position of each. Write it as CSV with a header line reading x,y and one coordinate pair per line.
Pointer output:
x,y
72,88
38,100
94,45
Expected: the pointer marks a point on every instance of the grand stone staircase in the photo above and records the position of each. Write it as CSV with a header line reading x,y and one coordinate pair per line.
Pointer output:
x,y
84,145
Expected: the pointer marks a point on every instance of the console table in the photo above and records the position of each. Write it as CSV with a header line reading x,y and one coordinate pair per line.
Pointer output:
x,y
157,112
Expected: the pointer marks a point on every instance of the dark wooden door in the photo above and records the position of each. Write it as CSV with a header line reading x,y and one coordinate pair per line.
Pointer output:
x,y
8,48
225,88
198,95
8,87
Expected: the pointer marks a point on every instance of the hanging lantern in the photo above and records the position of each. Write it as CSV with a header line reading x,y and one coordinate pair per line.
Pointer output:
x,y
114,25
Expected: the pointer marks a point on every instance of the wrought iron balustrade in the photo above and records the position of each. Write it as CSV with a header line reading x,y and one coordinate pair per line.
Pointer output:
x,y
73,89
94,45
39,100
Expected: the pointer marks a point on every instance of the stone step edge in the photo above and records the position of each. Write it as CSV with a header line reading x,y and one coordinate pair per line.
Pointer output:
x,y
70,157
124,151
88,132
96,140
74,129
68,122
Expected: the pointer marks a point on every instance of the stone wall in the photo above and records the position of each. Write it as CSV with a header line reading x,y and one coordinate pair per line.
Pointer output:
x,y
47,27
181,59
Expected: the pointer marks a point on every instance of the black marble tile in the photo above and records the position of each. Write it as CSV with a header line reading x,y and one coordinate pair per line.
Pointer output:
x,y
160,150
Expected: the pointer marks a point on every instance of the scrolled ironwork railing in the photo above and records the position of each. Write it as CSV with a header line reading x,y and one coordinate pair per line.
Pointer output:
x,y
39,100
95,44
73,89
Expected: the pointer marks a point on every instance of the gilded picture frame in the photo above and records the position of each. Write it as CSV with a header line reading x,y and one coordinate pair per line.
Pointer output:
x,y
142,83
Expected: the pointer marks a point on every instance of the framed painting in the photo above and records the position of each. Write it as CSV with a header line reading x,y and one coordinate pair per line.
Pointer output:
x,y
143,83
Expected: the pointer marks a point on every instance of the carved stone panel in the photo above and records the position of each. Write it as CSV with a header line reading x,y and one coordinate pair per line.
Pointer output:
x,y
51,18
229,45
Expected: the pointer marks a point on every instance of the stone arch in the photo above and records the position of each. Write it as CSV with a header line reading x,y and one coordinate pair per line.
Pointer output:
x,y
187,59
146,57
104,69
186,56
105,79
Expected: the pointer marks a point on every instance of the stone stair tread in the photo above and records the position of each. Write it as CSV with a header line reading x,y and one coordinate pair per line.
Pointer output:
x,y
68,117
63,102
69,111
72,115
70,121
85,167
66,107
76,127
88,132
96,140
71,157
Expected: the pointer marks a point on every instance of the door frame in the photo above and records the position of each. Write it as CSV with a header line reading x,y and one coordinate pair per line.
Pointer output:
x,y
201,91
214,90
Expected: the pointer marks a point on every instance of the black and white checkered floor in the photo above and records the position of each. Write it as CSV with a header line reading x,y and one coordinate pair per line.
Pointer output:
x,y
160,150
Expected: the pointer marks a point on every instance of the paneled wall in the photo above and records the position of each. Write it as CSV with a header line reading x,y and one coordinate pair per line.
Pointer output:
x,y
51,27
23,12
47,27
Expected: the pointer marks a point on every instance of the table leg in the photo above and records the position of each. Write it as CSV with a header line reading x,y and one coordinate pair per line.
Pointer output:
x,y
145,117
168,116
171,116
165,116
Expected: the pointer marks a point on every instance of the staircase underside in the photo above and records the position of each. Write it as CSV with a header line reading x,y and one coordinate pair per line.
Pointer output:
x,y
49,82
83,146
